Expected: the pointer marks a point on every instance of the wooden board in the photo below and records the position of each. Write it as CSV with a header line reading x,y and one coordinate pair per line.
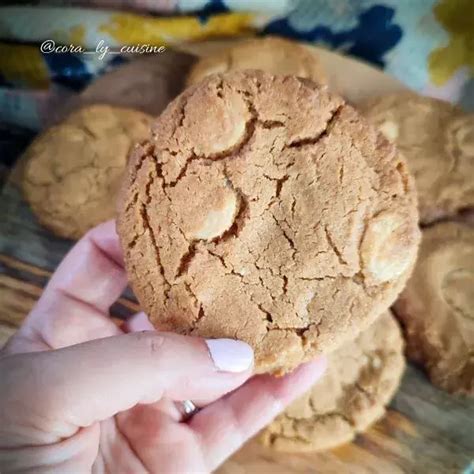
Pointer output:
x,y
425,430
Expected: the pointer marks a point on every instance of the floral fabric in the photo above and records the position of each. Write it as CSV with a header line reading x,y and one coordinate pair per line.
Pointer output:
x,y
427,44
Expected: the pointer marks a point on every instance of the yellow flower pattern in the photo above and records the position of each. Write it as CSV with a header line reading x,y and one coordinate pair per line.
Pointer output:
x,y
457,18
23,65
424,43
134,29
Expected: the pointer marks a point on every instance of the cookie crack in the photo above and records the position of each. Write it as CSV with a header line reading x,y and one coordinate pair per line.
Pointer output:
x,y
201,313
457,309
299,330
273,437
290,241
327,129
186,260
268,317
341,173
321,416
229,153
279,183
233,151
242,214
146,223
365,392
297,435
325,277
270,124
58,178
401,170
333,246
200,316
181,115
247,97
223,262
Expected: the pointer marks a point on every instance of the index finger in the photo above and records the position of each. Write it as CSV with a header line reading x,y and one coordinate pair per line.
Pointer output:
x,y
74,306
92,271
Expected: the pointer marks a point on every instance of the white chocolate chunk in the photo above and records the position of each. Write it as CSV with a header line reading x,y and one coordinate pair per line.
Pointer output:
x,y
386,251
218,221
390,130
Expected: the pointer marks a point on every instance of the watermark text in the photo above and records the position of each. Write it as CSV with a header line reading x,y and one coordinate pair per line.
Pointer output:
x,y
101,50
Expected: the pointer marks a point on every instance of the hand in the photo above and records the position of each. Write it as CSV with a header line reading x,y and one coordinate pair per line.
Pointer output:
x,y
78,393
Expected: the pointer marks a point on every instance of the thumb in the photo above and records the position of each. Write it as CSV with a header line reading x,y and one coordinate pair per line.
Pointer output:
x,y
79,385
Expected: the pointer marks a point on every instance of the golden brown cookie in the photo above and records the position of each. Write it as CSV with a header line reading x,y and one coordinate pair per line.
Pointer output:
x,y
269,54
361,379
73,170
263,208
437,307
437,141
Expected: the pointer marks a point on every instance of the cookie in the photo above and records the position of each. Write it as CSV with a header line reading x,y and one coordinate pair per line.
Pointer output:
x,y
437,140
436,308
361,379
264,208
73,171
269,54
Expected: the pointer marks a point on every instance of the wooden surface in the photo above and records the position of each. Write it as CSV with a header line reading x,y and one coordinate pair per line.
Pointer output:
x,y
425,430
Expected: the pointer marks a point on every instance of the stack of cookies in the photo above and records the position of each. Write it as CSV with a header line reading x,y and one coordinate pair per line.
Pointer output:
x,y
263,207
436,307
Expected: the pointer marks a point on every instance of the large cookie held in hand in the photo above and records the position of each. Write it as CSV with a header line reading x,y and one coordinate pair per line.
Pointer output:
x,y
265,209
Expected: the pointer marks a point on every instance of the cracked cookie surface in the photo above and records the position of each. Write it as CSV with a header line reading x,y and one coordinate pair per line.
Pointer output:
x,y
73,170
265,209
361,379
437,140
436,308
270,54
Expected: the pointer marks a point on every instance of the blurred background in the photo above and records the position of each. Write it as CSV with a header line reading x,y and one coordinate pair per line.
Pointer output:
x,y
427,44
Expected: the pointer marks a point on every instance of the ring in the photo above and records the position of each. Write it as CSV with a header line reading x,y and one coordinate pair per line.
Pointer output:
x,y
188,409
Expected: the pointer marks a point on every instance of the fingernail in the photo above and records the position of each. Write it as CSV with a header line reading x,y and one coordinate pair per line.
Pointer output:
x,y
230,355
139,322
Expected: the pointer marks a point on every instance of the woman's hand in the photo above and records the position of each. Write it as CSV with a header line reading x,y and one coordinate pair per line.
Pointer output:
x,y
77,393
